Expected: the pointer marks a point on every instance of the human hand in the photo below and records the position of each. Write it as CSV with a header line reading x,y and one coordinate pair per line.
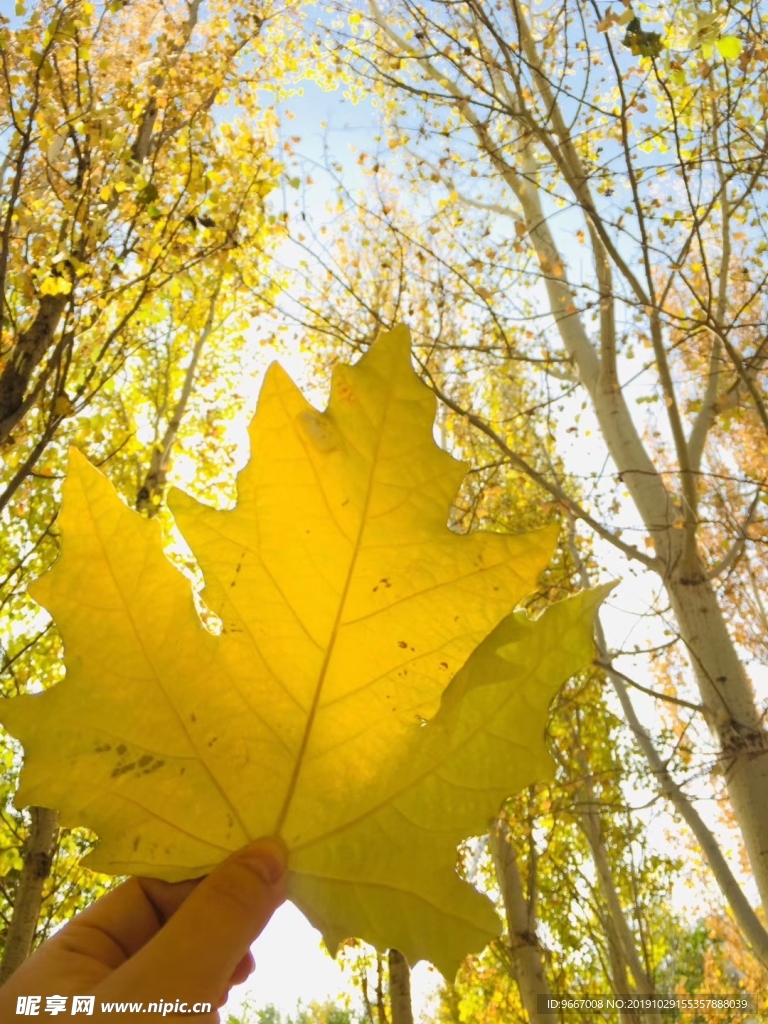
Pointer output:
x,y
150,941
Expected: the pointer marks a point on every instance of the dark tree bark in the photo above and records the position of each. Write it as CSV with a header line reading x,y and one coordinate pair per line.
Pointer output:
x,y
38,857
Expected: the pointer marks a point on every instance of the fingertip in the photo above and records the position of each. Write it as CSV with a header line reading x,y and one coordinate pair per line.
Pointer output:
x,y
243,970
268,856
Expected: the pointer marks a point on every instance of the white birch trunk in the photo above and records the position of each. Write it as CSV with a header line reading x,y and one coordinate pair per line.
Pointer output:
x,y
524,949
732,712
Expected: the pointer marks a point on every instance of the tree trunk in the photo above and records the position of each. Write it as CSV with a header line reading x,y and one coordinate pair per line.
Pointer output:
x,y
619,968
732,712
400,988
743,912
623,937
38,856
524,950
27,353
723,683
381,1008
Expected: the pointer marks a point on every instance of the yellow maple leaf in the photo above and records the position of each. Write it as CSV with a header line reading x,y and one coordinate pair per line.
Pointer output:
x,y
350,616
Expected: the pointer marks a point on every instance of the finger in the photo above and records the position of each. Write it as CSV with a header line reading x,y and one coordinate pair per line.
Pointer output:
x,y
118,924
166,897
195,954
243,970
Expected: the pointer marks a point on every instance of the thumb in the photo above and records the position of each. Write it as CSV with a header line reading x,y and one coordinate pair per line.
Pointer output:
x,y
194,955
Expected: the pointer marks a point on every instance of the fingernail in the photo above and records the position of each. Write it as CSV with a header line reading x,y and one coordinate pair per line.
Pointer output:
x,y
269,857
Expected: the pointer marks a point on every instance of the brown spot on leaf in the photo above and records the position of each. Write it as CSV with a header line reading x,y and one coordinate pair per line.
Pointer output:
x,y
319,430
